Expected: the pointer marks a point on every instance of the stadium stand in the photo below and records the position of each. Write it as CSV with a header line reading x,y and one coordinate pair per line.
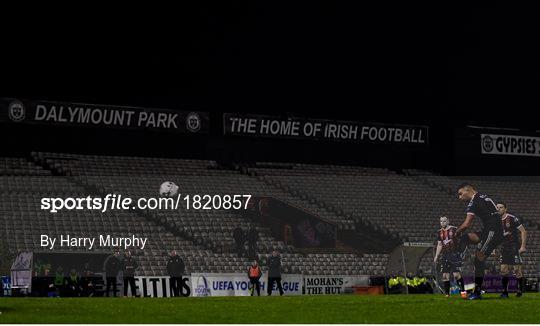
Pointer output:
x,y
399,206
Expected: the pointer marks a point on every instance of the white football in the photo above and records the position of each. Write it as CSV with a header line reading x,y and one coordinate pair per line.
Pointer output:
x,y
168,189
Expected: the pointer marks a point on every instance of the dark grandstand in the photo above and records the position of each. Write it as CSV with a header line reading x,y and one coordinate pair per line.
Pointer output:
x,y
374,209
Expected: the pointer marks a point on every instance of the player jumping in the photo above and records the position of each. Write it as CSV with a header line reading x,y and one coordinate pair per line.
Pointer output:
x,y
451,259
511,249
488,239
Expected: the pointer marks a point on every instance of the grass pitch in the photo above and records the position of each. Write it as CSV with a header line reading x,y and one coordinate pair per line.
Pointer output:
x,y
302,309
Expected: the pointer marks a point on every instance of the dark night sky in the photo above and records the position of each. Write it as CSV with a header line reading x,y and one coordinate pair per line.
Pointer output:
x,y
412,63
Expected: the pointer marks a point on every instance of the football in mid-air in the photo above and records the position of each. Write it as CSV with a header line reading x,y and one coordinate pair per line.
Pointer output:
x,y
168,189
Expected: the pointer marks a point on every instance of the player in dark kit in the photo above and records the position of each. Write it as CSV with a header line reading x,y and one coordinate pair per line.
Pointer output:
x,y
512,249
488,239
448,249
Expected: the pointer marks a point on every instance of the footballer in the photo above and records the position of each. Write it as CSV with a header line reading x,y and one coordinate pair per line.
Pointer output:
x,y
448,249
487,240
511,249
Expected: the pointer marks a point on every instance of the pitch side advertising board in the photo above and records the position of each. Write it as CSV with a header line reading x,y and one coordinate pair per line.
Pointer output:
x,y
236,284
332,284
102,116
160,286
493,283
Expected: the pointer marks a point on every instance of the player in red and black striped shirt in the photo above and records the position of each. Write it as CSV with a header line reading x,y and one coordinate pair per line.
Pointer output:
x,y
512,249
448,248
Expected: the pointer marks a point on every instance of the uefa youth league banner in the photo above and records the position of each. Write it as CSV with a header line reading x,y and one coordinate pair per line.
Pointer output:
x,y
237,284
291,284
104,116
318,129
332,284
510,145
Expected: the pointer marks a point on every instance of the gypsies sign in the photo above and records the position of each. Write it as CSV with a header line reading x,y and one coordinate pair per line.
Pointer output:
x,y
510,145
318,129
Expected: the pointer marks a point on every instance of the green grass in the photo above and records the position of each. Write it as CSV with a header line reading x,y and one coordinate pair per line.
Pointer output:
x,y
303,309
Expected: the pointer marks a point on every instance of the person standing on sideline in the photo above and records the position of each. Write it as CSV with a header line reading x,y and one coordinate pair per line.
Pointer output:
x,y
111,266
130,265
239,239
252,238
274,272
175,268
254,275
